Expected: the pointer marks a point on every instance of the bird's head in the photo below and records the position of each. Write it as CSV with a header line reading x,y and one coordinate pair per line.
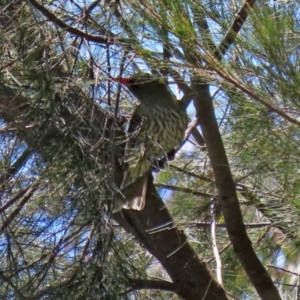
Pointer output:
x,y
147,88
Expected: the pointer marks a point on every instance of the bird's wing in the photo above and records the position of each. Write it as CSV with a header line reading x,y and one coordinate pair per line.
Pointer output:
x,y
135,163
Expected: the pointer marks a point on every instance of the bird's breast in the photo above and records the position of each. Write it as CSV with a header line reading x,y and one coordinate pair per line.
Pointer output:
x,y
164,129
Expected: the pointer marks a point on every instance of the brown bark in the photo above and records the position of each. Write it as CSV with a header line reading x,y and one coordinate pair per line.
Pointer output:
x,y
155,228
227,194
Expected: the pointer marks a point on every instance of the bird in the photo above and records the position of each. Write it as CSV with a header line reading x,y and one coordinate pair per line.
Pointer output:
x,y
157,127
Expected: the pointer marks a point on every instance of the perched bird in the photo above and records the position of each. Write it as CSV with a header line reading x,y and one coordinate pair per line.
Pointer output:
x,y
157,125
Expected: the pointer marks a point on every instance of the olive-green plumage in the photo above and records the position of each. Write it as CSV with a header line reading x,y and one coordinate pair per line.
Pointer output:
x,y
162,122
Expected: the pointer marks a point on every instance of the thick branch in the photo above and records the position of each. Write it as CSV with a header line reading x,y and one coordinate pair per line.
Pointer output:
x,y
227,194
169,245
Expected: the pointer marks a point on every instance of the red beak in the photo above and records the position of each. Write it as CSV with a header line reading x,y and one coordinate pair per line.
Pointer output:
x,y
125,81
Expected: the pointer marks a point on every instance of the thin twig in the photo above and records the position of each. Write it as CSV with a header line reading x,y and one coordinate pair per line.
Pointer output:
x,y
182,189
25,199
283,270
15,167
214,242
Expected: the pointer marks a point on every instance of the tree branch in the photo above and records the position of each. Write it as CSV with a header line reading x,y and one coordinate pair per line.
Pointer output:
x,y
27,196
230,78
214,242
183,189
111,40
169,245
15,167
233,30
140,284
228,199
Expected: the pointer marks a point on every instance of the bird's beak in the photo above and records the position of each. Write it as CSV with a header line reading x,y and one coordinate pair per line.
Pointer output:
x,y
125,81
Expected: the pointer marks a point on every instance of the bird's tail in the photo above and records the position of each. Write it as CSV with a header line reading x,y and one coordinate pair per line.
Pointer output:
x,y
133,195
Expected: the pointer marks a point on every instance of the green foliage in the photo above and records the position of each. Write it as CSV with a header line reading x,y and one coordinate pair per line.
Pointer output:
x,y
60,243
